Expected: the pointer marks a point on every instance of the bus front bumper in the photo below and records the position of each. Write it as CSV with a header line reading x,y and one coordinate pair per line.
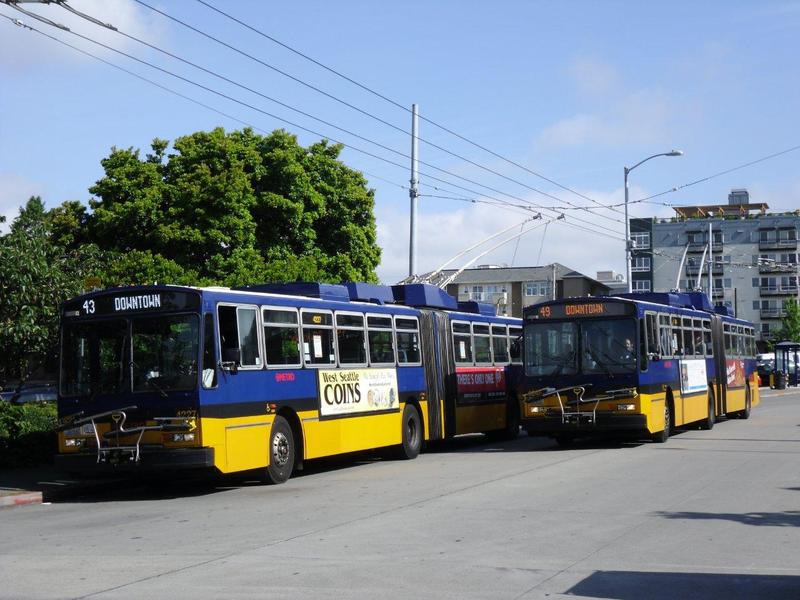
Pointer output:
x,y
585,424
149,460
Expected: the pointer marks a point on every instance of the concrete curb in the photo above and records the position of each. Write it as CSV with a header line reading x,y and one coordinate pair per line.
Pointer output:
x,y
20,499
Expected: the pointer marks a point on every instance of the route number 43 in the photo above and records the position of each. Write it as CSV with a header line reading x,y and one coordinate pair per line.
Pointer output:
x,y
88,307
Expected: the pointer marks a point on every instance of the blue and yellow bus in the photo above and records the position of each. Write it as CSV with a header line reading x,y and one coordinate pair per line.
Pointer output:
x,y
639,364
265,377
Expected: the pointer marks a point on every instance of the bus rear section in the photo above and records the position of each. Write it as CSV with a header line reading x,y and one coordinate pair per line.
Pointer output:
x,y
128,386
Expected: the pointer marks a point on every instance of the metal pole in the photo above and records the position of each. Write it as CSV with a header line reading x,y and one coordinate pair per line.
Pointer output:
x,y
413,192
627,236
554,281
710,265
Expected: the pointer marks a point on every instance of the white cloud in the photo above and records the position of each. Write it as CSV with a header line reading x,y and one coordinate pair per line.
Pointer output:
x,y
616,116
21,49
14,192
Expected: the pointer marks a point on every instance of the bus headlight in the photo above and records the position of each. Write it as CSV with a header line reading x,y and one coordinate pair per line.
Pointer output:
x,y
73,442
626,407
183,437
538,410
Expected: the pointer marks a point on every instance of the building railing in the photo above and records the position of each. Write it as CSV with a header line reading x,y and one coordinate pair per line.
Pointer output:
x,y
718,269
778,290
790,244
777,267
772,313
700,246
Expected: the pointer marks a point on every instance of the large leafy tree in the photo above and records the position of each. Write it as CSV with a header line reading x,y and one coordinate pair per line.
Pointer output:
x,y
233,208
790,324
36,275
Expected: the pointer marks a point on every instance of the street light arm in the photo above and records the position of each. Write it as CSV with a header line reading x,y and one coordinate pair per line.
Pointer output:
x,y
670,153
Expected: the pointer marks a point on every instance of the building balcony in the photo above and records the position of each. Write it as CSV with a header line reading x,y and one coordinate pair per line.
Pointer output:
x,y
699,247
772,313
790,244
694,269
718,293
776,267
778,290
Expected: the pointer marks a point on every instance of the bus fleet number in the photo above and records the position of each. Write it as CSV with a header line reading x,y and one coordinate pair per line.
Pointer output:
x,y
88,307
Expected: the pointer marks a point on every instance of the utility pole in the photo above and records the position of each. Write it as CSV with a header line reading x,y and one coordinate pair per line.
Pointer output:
x,y
710,265
554,281
413,192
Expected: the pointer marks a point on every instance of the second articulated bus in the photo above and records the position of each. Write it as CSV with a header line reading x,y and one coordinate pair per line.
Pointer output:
x,y
266,377
639,364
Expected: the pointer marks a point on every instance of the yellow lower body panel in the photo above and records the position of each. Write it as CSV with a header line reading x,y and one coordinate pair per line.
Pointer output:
x,y
476,419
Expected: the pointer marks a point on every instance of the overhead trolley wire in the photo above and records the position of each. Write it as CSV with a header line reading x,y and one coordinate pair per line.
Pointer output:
x,y
313,132
343,102
296,110
719,174
398,105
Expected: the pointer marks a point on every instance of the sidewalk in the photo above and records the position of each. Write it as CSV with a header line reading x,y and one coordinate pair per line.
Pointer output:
x,y
34,485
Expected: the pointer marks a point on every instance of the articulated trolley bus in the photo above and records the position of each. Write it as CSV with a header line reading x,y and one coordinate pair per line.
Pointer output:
x,y
268,376
639,364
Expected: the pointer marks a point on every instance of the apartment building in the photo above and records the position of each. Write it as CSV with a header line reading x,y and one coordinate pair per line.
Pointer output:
x,y
512,288
754,257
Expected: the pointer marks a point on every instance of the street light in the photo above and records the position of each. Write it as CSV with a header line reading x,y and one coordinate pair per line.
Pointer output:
x,y
627,224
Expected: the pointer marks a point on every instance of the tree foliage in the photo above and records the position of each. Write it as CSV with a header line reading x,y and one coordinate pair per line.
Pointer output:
x,y
36,275
232,209
221,208
790,324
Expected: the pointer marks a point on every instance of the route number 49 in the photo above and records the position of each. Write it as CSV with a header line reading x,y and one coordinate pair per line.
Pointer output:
x,y
88,307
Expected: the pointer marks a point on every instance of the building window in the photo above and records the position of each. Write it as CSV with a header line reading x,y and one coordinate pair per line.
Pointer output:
x,y
640,240
538,288
640,264
476,293
641,285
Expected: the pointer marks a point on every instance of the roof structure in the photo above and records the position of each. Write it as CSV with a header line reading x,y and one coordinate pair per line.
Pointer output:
x,y
719,210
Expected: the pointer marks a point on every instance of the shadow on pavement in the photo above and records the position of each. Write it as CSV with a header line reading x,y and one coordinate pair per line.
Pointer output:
x,y
627,585
789,518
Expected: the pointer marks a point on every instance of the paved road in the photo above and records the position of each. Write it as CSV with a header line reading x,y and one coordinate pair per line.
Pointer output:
x,y
707,515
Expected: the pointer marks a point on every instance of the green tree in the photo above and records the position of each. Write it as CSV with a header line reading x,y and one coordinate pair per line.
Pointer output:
x,y
36,275
233,209
790,324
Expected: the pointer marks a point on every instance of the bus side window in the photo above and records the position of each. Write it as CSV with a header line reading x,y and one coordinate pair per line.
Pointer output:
x,y
381,340
643,345
228,334
462,343
318,347
709,349
351,340
666,337
500,344
482,342
677,337
515,344
281,338
407,330
209,378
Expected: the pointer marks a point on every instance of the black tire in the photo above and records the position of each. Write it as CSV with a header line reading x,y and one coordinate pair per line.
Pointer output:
x,y
745,414
708,423
663,435
281,452
411,433
565,440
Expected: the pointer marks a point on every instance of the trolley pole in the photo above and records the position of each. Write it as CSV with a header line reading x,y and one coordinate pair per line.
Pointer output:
x,y
710,265
413,192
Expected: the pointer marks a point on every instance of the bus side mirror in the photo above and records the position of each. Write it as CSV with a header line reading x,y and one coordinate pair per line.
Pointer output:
x,y
231,359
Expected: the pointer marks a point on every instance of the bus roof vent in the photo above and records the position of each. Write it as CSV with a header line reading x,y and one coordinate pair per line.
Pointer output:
x,y
370,292
723,310
424,295
323,291
479,308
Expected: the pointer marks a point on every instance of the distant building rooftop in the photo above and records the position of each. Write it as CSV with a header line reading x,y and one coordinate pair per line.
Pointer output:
x,y
719,210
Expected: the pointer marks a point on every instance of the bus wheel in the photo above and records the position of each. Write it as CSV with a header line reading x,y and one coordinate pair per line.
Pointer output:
x,y
745,414
708,422
412,432
281,452
663,435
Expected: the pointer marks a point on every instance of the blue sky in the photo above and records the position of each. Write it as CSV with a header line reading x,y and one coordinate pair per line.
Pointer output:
x,y
570,90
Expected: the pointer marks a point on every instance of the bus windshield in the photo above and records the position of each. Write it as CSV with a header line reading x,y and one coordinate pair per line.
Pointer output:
x,y
591,347
153,353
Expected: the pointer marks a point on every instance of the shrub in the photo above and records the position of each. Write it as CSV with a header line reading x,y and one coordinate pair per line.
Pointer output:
x,y
27,434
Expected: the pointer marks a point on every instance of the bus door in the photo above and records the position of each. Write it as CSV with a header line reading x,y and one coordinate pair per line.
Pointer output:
x,y
720,369
434,333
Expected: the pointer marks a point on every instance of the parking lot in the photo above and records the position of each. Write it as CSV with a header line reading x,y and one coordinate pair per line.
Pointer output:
x,y
710,514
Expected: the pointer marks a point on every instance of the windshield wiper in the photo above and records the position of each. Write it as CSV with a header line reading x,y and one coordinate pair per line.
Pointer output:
x,y
599,362
149,381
